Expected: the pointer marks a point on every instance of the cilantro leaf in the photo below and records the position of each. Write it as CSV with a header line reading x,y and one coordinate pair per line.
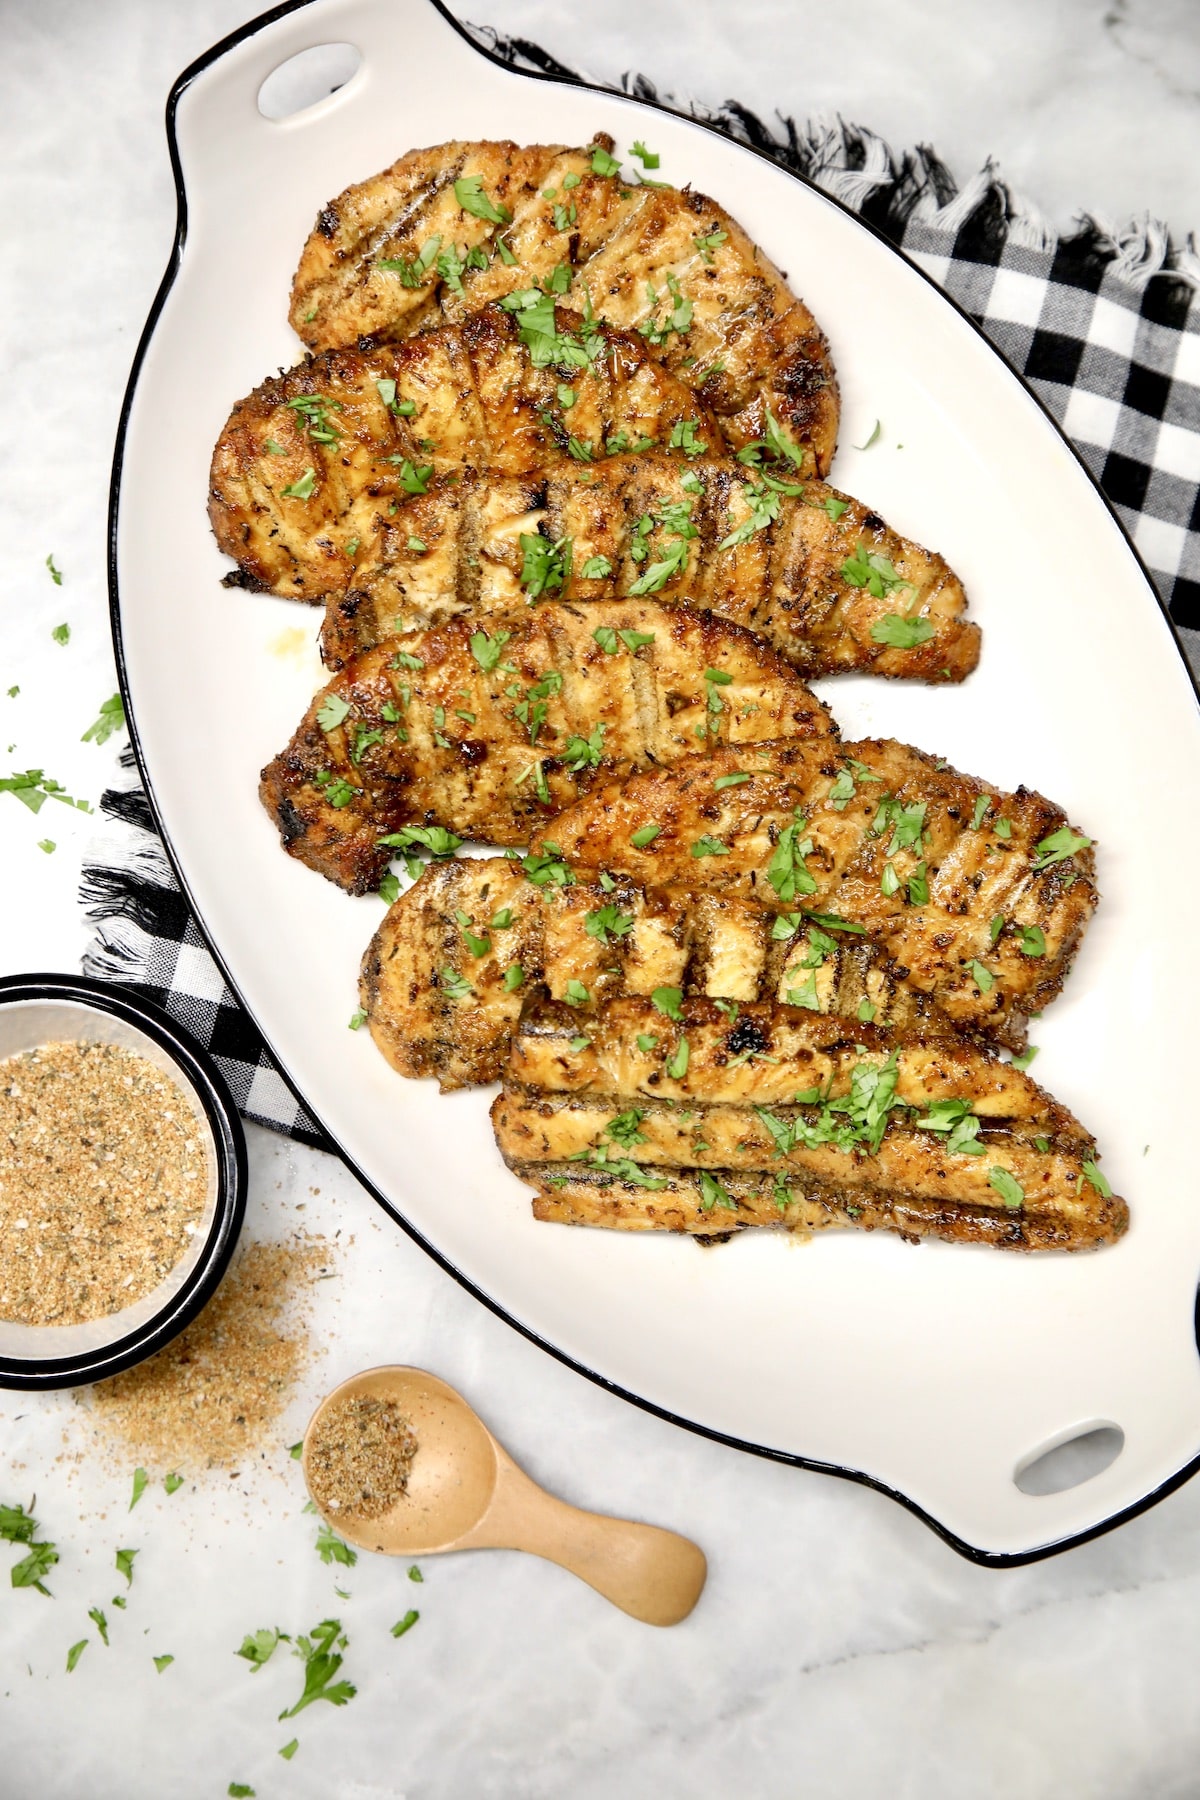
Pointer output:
x,y
112,718
75,1652
320,1652
1056,848
332,712
646,835
468,191
140,1478
1007,1186
406,1623
302,487
331,1549
55,574
258,1647
901,633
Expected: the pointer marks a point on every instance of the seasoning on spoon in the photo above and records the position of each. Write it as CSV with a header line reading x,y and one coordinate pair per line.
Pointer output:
x,y
103,1181
359,1457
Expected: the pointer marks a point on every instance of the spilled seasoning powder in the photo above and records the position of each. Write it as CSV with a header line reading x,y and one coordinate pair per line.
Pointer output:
x,y
103,1181
214,1396
359,1456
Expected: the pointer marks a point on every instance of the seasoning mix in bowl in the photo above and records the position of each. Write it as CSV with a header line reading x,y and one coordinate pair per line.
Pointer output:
x,y
122,1180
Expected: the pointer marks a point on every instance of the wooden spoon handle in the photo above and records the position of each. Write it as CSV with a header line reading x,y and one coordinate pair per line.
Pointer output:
x,y
655,1575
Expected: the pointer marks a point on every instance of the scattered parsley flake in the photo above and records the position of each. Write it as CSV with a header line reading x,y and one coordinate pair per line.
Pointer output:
x,y
75,1652
55,574
61,634
124,1561
163,1662
873,437
706,243
112,718
1058,847
172,1482
1006,1185
302,488
514,977
1032,940
677,1065
468,191
985,981
899,632
140,1479
1026,1057
332,712
408,1621
646,835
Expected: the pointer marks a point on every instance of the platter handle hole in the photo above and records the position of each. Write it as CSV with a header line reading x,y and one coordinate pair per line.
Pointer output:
x,y
1067,1462
306,79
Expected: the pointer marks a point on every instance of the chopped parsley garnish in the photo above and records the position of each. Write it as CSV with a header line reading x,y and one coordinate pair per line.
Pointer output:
x,y
302,488
608,921
434,838
389,889
763,500
872,437
646,1043
584,752
468,191
578,1043
575,994
547,566
647,834
33,788
20,1527
331,1549
866,1012
734,779
172,1482
404,659
541,337
140,1478
668,1001
514,977
544,869
856,1120
486,650
314,410
707,242
786,871
75,1652
55,574
407,1622
1093,1174
675,519
805,995
595,569
289,1750
647,158
336,789
1032,940
677,1065
112,718
955,1119
320,1654
1026,1057
1006,1185
259,1647
907,822
918,886
455,987
1056,848
683,437
874,572
713,1194
414,479
478,946
979,814
238,1790
898,632
985,981
124,1564
709,846
679,319
996,927
61,634
602,162
889,881
412,274
332,712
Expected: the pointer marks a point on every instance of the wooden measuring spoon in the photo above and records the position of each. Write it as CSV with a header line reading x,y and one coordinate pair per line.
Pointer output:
x,y
466,1493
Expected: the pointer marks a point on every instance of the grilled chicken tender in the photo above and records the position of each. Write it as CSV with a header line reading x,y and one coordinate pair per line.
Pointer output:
x,y
491,733
458,955
309,463
982,897
819,576
778,1116
393,254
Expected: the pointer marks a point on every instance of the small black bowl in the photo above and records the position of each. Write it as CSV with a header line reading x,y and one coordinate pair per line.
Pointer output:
x,y
40,1009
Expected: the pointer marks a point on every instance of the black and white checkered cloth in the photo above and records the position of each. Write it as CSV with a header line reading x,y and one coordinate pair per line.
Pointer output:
x,y
1104,326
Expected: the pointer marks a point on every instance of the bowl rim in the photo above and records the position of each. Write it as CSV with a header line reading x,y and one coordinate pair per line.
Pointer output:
x,y
229,1145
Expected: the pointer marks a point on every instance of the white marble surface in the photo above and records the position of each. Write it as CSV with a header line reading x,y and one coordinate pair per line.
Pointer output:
x,y
840,1649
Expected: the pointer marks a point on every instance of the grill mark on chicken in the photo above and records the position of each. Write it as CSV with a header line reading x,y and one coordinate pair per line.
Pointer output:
x,y
443,742
786,582
974,876
749,345
710,944
480,403
738,1120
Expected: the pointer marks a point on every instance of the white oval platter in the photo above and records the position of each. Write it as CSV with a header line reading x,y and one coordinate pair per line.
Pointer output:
x,y
932,1372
